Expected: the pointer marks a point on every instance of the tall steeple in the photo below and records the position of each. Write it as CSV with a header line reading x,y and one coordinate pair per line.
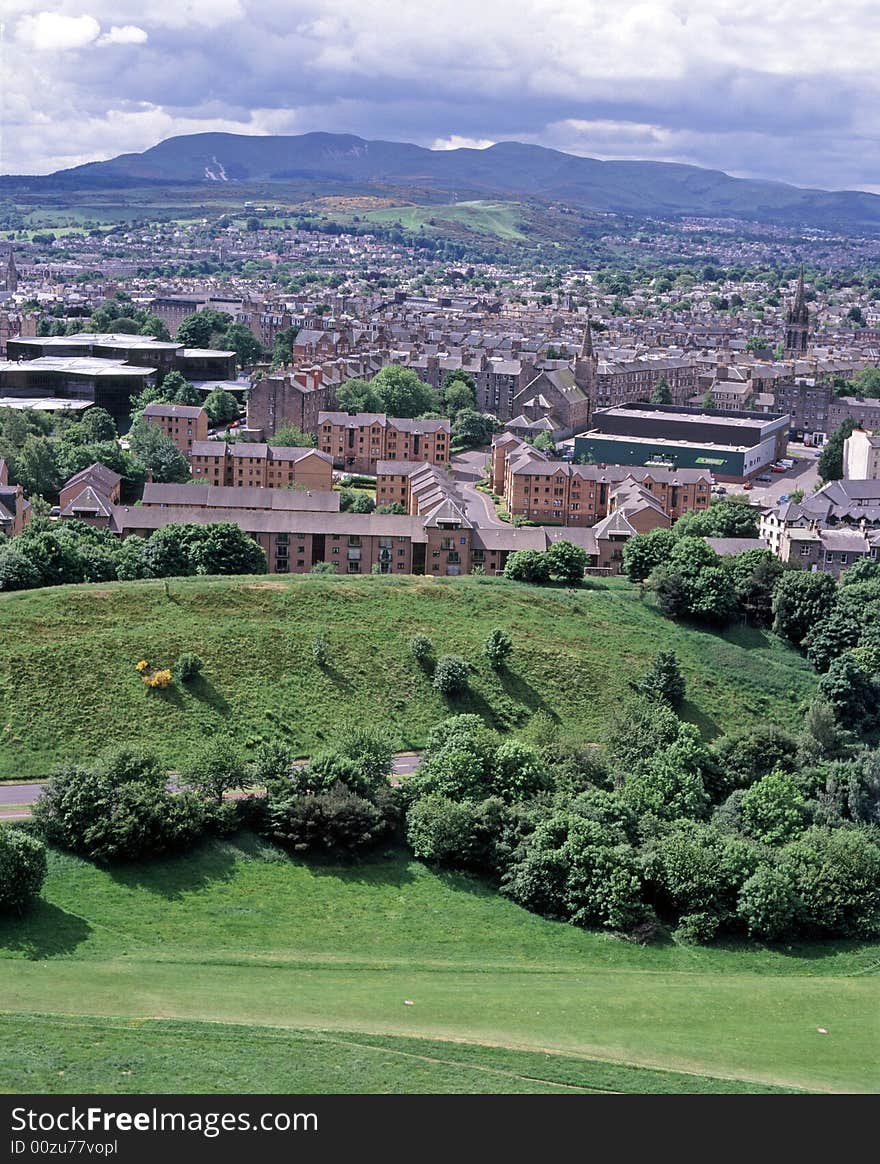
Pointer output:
x,y
797,323
587,363
11,276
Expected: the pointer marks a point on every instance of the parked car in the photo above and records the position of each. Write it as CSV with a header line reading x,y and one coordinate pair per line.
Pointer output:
x,y
748,485
764,477
783,497
719,489
786,463
777,468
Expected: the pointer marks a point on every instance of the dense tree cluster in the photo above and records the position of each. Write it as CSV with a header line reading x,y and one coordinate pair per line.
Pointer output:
x,y
761,835
395,390
53,554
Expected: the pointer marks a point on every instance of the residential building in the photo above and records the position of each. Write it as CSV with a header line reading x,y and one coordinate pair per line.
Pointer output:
x,y
255,463
182,423
358,441
861,456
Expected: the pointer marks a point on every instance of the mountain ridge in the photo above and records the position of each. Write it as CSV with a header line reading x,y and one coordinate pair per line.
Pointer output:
x,y
506,170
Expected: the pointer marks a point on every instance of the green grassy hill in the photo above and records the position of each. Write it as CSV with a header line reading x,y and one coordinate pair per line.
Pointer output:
x,y
68,684
238,968
501,219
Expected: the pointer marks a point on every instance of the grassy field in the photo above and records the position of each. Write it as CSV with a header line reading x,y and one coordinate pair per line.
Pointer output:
x,y
501,219
113,982
68,686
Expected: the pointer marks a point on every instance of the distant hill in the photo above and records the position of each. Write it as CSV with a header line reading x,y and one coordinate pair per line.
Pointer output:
x,y
505,170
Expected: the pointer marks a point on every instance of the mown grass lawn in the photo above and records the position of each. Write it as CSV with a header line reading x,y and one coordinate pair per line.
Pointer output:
x,y
68,686
239,934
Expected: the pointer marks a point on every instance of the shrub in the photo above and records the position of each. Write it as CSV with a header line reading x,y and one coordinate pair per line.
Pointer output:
x,y
22,869
454,832
214,768
767,904
320,651
120,809
187,667
696,929
273,762
451,675
497,648
158,679
663,679
773,809
334,820
528,566
421,648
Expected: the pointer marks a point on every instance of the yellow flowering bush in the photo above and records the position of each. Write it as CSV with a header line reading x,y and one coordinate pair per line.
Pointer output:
x,y
141,666
158,679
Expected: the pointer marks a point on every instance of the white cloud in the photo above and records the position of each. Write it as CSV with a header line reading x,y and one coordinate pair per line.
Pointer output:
x,y
124,34
52,32
455,142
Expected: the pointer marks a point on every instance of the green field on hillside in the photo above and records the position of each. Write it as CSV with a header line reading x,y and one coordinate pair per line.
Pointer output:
x,y
68,685
309,967
501,219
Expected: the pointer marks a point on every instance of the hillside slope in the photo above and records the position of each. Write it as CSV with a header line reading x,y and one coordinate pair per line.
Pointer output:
x,y
68,685
507,169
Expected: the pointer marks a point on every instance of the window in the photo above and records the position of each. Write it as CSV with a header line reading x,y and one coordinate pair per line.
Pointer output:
x,y
354,567
354,539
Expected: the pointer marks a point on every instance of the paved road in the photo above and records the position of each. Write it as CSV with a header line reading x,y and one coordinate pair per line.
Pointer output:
x,y
15,798
468,468
804,476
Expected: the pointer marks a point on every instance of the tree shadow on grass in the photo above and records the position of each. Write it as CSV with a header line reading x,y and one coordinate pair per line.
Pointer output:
x,y
173,876
517,689
384,865
205,691
750,638
337,678
710,729
45,931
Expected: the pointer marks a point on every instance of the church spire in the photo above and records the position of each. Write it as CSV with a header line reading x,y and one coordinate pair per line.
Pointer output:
x,y
800,300
587,345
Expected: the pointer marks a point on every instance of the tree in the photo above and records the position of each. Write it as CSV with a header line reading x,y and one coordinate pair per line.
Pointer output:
x,y
96,424
282,348
746,756
291,436
118,810
663,680
670,784
154,326
497,648
215,767
402,393
754,574
835,874
358,396
451,675
240,339
198,329
801,601
473,428
642,553
768,905
36,466
157,453
17,571
176,389
662,393
566,563
22,869
773,809
454,832
722,519
221,407
830,464
458,393
224,548
518,773
851,691
527,566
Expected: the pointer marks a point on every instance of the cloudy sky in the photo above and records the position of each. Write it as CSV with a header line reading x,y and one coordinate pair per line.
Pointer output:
x,y
788,89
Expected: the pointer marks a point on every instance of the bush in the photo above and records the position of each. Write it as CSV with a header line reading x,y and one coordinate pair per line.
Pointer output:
x,y
187,667
497,648
696,929
454,832
214,768
451,675
273,763
120,809
664,680
334,820
320,651
773,809
421,648
22,869
528,566
768,905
